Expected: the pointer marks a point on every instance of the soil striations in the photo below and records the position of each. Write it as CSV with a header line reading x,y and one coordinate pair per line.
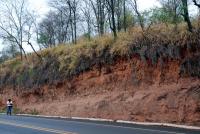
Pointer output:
x,y
128,90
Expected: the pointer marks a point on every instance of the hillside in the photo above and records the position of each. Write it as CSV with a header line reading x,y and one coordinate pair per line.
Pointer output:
x,y
141,76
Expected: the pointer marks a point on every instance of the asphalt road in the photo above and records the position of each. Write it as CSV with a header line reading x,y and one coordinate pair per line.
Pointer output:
x,y
31,125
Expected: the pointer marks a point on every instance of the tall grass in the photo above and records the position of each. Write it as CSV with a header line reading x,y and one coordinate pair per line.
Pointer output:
x,y
65,61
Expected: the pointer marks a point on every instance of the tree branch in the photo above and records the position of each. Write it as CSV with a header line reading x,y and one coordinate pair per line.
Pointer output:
x,y
196,4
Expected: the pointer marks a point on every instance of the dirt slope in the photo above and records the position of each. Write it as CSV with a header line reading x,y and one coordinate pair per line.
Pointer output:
x,y
128,90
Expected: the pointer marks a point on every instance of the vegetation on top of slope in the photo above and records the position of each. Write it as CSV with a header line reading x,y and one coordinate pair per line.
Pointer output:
x,y
160,43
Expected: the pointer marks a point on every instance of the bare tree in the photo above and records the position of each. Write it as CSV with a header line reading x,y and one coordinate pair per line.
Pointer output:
x,y
62,20
28,32
69,11
15,21
99,7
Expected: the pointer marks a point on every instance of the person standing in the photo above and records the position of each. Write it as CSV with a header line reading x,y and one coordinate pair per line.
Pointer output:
x,y
9,107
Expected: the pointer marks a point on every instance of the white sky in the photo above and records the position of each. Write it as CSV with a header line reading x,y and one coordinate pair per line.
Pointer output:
x,y
42,5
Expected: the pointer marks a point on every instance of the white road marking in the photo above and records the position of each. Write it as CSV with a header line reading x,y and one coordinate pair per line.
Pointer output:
x,y
36,128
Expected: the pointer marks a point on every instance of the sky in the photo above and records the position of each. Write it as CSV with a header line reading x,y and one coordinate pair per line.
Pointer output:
x,y
42,5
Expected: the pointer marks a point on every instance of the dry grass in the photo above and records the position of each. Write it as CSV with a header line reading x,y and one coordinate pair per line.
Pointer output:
x,y
65,60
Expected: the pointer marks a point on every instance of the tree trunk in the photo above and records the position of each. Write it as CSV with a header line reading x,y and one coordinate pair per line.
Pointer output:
x,y
101,16
124,4
118,16
113,19
186,15
75,30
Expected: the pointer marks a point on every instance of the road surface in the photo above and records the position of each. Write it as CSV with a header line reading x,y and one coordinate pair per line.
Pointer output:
x,y
32,125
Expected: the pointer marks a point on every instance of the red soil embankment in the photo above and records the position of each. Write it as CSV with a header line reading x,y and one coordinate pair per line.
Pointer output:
x,y
129,90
